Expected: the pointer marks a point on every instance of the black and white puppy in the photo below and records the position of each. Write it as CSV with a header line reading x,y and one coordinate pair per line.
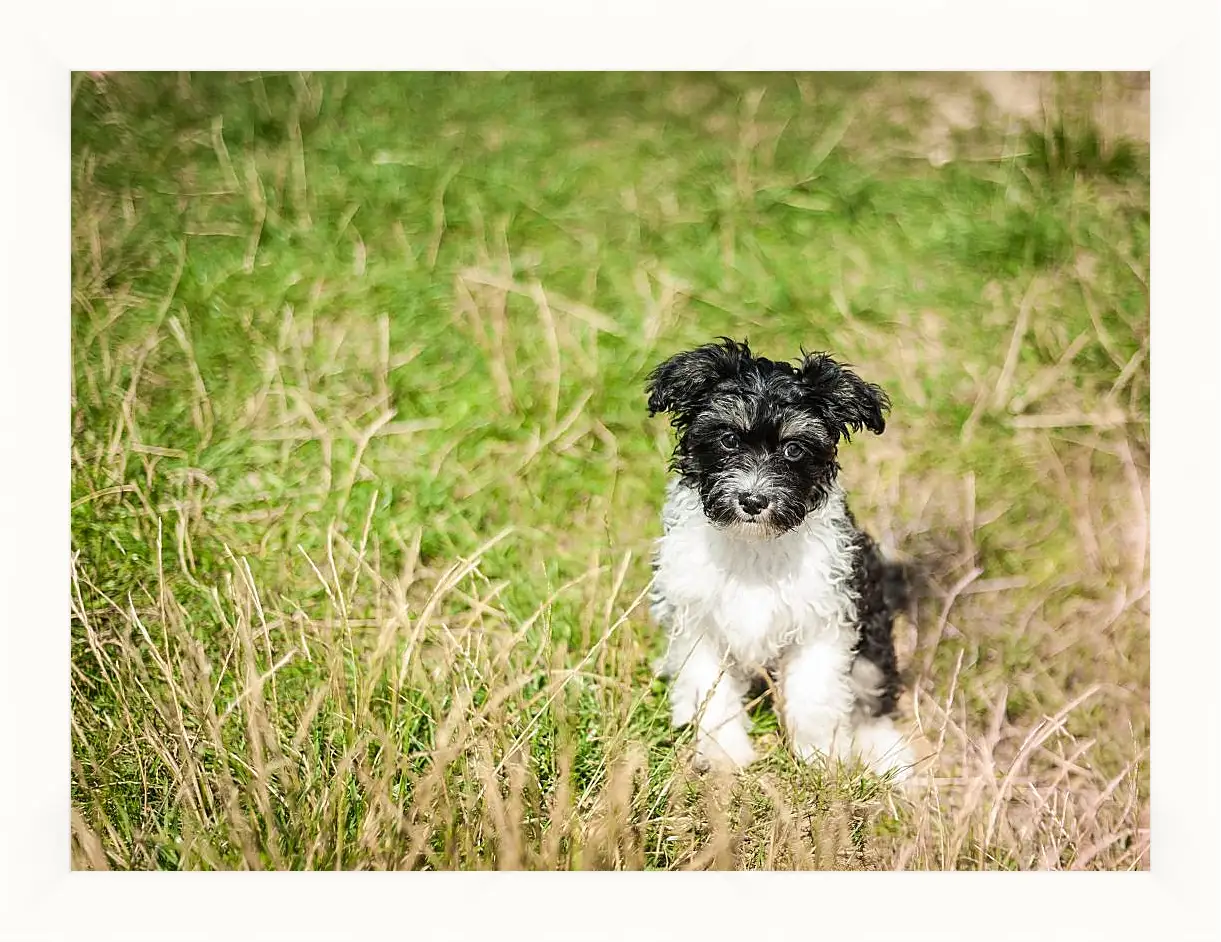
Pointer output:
x,y
762,569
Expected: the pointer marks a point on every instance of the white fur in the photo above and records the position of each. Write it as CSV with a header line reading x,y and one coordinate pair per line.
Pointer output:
x,y
736,601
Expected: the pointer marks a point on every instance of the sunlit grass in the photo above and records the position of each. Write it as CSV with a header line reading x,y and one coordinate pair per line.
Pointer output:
x,y
364,485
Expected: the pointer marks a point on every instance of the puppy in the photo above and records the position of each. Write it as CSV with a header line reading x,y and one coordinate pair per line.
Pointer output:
x,y
762,570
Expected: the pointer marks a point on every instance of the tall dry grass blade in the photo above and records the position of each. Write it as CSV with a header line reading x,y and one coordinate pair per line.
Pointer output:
x,y
87,852
1020,326
1034,739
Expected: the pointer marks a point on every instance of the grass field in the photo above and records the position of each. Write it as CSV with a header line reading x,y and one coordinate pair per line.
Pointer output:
x,y
363,484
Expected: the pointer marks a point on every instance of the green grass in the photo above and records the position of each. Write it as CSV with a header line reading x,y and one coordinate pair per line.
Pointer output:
x,y
364,487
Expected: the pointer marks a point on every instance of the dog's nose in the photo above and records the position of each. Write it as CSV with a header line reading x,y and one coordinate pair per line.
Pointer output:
x,y
752,504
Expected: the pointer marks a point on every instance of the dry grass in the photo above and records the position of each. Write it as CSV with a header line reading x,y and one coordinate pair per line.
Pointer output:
x,y
363,497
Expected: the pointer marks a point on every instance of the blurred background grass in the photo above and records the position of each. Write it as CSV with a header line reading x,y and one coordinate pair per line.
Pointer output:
x,y
364,487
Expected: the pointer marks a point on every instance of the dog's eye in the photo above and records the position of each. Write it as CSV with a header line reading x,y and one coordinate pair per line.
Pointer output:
x,y
792,451
729,440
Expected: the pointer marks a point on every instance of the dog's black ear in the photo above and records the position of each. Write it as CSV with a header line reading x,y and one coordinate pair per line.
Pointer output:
x,y
680,383
848,401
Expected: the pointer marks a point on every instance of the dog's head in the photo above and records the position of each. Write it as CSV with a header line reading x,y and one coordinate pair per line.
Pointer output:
x,y
757,438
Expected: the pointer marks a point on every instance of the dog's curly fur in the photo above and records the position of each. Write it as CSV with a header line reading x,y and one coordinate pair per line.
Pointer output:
x,y
762,568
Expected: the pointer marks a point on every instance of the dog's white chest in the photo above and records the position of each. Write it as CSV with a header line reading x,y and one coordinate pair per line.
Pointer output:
x,y
755,597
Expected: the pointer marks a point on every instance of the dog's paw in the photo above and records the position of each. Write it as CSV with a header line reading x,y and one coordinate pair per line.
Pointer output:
x,y
882,747
877,744
682,712
808,752
822,747
728,749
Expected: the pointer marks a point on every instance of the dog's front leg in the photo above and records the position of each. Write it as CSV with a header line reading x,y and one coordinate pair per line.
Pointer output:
x,y
703,690
817,698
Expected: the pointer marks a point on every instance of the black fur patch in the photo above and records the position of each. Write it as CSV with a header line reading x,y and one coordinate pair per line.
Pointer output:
x,y
881,588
